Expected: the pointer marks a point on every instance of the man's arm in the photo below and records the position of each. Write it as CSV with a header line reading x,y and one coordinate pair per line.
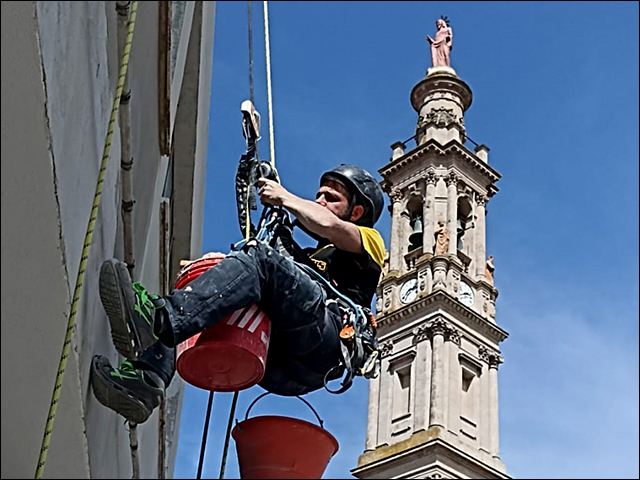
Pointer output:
x,y
318,219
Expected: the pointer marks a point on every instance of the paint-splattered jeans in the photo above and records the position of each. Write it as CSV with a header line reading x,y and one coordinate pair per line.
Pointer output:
x,y
302,327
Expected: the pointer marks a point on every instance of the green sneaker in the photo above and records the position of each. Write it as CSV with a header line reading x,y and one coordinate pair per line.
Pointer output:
x,y
129,391
130,308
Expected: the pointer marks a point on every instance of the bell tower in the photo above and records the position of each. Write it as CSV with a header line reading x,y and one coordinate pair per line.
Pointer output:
x,y
433,409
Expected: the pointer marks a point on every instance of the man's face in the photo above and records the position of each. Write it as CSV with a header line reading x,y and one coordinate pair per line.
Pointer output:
x,y
335,197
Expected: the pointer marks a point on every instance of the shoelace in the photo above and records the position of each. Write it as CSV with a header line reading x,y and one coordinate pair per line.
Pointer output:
x,y
126,371
127,366
145,296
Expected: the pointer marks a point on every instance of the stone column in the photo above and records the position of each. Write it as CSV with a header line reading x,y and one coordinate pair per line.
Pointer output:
x,y
423,363
438,393
484,433
493,359
429,213
480,237
386,386
452,342
494,445
395,249
452,210
372,414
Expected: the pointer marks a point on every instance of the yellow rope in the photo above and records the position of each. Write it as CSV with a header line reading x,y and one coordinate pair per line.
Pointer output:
x,y
268,55
85,249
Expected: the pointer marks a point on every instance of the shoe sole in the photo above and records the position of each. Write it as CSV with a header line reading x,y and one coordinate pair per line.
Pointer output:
x,y
123,332
115,397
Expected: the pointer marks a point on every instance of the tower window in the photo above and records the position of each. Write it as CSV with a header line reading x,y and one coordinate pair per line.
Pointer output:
x,y
469,400
402,392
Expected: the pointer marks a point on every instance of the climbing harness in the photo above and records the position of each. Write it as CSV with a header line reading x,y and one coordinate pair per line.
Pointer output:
x,y
359,345
358,341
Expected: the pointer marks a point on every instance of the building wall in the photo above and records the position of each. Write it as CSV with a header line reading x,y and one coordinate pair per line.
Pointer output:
x,y
60,64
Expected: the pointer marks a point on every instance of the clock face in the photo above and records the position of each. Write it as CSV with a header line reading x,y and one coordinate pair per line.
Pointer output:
x,y
409,290
466,294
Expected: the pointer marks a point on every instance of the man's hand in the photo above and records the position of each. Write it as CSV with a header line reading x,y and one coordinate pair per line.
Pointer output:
x,y
271,192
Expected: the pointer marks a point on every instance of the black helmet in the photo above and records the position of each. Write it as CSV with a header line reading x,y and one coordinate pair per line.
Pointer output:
x,y
366,189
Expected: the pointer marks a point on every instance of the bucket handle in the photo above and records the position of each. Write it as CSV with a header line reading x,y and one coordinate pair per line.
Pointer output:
x,y
297,396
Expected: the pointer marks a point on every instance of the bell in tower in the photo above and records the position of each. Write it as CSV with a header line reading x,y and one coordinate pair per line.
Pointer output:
x,y
415,239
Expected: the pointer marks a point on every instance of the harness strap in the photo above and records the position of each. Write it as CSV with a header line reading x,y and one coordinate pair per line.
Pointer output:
x,y
358,352
352,350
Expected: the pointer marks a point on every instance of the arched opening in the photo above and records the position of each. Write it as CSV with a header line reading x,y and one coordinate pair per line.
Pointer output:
x,y
464,222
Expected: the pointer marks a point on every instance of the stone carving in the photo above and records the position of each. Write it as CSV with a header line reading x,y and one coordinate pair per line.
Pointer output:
x,y
439,276
421,333
455,280
442,44
436,476
431,177
452,335
488,270
451,179
395,195
385,266
442,239
387,297
422,280
385,349
438,327
440,116
492,308
481,200
492,357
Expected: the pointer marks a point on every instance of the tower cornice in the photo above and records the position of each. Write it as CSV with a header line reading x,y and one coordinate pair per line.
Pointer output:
x,y
424,443
452,149
480,324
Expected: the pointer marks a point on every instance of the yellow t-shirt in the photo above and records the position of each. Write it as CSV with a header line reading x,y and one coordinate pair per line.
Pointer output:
x,y
373,243
355,275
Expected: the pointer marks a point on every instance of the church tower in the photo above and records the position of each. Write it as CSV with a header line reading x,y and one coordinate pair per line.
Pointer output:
x,y
433,408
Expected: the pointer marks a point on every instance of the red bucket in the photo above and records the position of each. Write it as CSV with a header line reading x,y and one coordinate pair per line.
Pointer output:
x,y
282,447
231,355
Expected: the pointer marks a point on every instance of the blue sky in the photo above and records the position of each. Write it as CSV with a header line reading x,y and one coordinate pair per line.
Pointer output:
x,y
555,97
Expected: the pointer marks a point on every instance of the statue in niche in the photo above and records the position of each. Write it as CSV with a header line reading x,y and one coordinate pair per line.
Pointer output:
x,y
442,239
488,270
385,266
441,46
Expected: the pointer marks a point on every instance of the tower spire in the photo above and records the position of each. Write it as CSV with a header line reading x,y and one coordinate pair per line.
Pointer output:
x,y
433,410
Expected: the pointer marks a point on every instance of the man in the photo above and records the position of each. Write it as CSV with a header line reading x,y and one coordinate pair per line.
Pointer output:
x,y
304,347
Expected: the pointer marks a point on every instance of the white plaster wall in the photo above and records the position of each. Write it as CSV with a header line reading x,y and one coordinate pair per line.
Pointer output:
x,y
59,69
35,289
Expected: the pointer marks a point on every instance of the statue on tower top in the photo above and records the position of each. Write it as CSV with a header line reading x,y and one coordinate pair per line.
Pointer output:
x,y
441,45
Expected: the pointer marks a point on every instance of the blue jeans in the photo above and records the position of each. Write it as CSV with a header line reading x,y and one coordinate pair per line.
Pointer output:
x,y
303,328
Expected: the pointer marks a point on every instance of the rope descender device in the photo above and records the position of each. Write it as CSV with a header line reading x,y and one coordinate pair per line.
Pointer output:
x,y
250,169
